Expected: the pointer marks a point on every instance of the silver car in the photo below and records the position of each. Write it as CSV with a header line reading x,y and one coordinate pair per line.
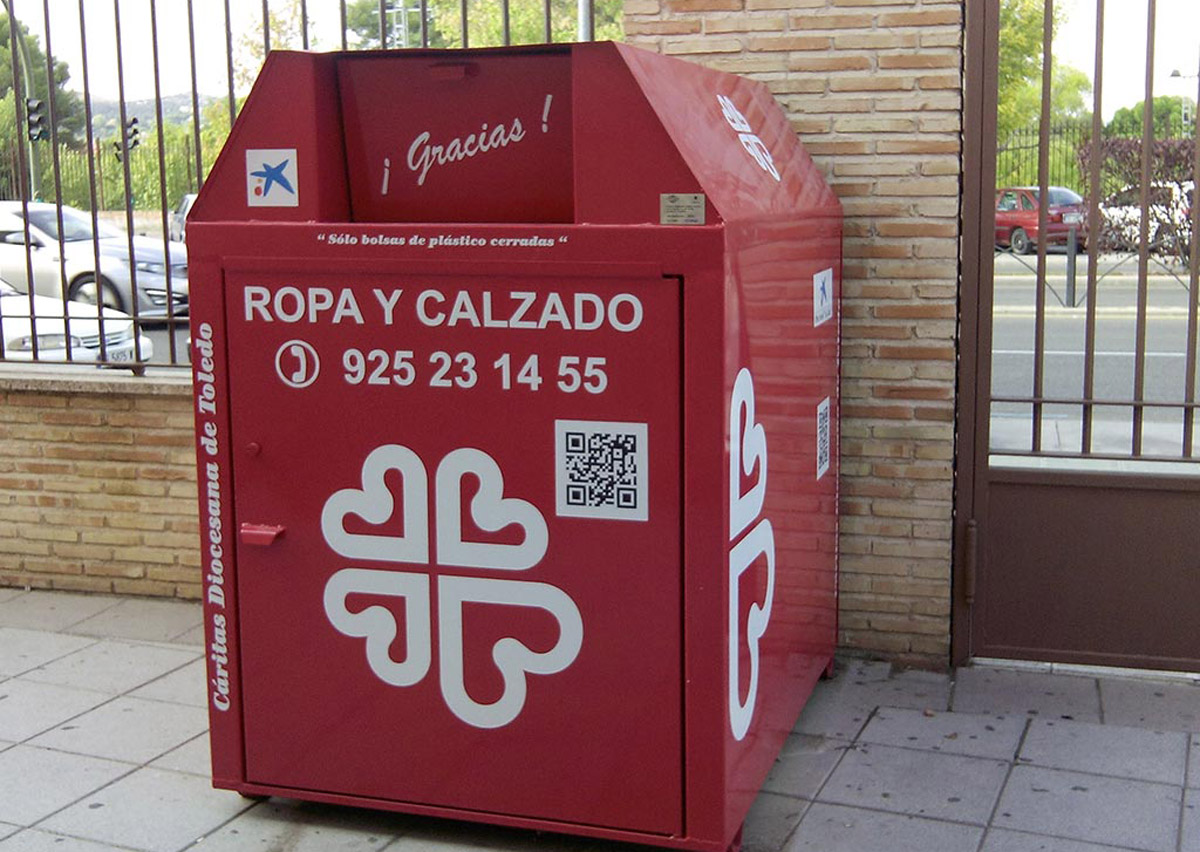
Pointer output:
x,y
74,270
67,333
178,224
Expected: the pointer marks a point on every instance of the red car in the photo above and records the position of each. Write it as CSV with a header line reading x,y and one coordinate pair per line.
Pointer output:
x,y
1017,217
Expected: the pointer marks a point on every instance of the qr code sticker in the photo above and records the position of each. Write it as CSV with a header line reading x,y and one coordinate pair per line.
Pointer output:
x,y
823,437
601,470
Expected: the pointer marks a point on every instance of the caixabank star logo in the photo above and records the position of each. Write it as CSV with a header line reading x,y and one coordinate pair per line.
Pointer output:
x,y
272,179
491,512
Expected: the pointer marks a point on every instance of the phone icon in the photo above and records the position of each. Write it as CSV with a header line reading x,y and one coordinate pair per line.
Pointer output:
x,y
297,364
301,371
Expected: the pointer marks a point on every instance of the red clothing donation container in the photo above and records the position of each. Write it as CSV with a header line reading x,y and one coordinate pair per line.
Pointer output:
x,y
516,383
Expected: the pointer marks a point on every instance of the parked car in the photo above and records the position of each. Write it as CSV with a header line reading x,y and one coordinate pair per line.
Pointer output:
x,y
1170,216
50,329
1017,218
179,215
110,283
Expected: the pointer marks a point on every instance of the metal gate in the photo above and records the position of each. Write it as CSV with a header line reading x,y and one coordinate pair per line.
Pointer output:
x,y
1078,500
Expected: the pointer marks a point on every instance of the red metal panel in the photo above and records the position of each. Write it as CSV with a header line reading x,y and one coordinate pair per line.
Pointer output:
x,y
283,127
782,382
414,599
733,136
443,507
619,133
218,563
432,137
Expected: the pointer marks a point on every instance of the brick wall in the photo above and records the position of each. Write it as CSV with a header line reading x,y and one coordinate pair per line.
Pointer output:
x,y
873,89
98,483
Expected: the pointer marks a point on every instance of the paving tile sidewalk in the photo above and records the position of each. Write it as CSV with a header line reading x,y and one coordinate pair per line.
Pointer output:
x,y
103,746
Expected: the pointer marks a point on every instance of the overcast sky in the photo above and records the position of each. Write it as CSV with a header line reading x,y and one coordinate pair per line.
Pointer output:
x,y
1177,43
1176,47
172,23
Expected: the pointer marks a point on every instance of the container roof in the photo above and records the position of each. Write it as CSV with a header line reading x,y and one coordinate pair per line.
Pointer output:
x,y
584,133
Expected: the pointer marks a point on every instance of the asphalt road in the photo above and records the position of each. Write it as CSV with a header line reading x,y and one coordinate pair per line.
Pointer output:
x,y
160,334
1013,347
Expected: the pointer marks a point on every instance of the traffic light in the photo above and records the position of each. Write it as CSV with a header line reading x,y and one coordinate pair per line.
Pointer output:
x,y
37,123
131,138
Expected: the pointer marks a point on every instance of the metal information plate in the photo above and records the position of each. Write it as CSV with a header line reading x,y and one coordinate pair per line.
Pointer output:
x,y
681,208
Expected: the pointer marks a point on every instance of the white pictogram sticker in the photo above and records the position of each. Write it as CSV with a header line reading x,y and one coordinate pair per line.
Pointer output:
x,y
747,452
374,505
822,297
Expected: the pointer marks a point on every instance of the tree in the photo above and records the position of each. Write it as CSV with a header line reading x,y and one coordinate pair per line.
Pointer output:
x,y
1068,102
1020,61
69,114
485,22
1168,121
1019,101
286,28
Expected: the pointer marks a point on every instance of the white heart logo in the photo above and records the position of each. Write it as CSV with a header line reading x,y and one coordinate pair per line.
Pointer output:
x,y
747,448
377,624
760,541
490,510
512,657
374,504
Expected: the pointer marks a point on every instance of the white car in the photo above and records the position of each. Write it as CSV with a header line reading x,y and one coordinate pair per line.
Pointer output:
x,y
53,331
111,282
1170,218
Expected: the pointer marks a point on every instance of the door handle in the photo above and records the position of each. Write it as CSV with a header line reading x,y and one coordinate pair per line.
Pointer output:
x,y
260,535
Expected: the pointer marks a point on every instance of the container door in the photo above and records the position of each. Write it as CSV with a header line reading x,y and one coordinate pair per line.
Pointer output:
x,y
459,563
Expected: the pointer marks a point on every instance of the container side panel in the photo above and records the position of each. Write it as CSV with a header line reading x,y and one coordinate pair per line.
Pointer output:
x,y
624,160
210,372
705,546
733,136
782,371
284,160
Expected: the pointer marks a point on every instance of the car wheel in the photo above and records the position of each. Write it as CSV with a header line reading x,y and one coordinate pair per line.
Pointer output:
x,y
85,289
1021,244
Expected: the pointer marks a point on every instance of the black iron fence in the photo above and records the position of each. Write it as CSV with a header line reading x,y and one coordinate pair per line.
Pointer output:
x,y
75,171
111,114
1017,156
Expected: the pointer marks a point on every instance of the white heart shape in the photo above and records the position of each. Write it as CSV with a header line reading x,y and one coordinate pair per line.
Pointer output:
x,y
491,512
747,448
512,657
377,625
758,542
374,504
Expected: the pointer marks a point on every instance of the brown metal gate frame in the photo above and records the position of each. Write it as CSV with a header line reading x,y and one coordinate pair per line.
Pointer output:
x,y
981,59
1131,607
